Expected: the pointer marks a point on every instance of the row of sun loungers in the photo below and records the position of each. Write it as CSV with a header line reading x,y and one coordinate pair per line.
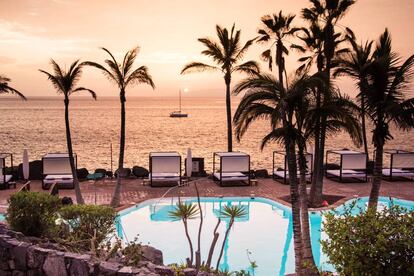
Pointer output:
x,y
229,168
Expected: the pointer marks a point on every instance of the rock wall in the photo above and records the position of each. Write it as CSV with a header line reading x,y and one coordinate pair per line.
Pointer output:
x,y
19,257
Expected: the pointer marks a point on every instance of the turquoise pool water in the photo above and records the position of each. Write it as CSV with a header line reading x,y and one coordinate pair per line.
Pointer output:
x,y
266,232
2,217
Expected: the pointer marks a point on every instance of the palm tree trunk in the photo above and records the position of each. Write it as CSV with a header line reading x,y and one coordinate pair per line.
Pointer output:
x,y
363,125
116,199
315,197
189,242
198,252
377,175
228,110
308,260
224,243
213,244
78,193
279,60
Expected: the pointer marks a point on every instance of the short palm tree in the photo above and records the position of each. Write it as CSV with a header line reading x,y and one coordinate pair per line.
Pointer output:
x,y
227,52
65,83
386,103
276,29
6,89
124,76
230,213
354,64
185,212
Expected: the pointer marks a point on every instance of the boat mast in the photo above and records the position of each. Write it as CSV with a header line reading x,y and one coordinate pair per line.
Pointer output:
x,y
179,98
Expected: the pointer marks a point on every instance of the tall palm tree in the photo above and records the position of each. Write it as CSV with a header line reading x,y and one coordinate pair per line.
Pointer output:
x,y
124,76
185,212
6,89
276,28
325,14
386,103
354,65
231,213
292,116
266,98
227,52
65,83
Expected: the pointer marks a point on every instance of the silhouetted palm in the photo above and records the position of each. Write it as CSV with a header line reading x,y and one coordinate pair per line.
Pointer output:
x,y
355,64
226,53
124,76
292,117
323,16
276,28
65,83
386,104
185,212
6,89
231,213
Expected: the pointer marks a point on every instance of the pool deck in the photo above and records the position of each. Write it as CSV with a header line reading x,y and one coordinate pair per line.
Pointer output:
x,y
133,191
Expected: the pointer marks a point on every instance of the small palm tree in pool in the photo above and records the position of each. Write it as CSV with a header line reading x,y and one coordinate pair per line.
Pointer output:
x,y
226,53
65,83
6,89
124,76
231,213
184,212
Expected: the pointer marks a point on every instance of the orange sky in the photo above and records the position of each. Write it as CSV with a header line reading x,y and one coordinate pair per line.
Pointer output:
x,y
33,31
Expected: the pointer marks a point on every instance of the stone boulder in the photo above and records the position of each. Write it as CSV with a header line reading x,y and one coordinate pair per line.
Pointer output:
x,y
126,172
82,173
140,172
261,173
152,254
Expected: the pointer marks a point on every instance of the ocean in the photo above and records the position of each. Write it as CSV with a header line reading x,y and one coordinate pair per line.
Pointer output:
x,y
38,125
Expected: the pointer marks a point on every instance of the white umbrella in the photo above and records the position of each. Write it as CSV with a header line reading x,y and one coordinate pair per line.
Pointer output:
x,y
189,163
25,164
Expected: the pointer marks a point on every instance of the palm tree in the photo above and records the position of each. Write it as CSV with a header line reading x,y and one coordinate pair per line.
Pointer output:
x,y
323,16
266,98
355,64
231,213
292,117
386,104
6,89
185,212
276,28
226,53
124,76
65,83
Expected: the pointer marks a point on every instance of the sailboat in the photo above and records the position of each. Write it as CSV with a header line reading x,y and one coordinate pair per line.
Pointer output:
x,y
178,114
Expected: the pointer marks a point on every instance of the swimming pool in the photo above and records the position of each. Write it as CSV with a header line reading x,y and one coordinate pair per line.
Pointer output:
x,y
266,232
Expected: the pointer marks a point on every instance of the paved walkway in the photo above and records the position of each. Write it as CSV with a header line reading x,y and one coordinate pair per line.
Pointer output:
x,y
100,192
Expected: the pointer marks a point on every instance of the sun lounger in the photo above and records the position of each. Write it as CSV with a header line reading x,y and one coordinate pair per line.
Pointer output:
x,y
401,165
5,178
56,169
165,168
282,175
352,166
234,168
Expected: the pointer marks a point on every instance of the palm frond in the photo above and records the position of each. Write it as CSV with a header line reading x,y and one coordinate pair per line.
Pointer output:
x,y
79,89
198,67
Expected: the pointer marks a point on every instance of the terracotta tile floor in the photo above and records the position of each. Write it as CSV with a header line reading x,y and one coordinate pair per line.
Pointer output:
x,y
133,191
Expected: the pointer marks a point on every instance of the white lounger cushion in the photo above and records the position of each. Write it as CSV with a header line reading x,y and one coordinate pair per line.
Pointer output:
x,y
164,176
61,179
346,173
397,172
282,174
231,176
8,177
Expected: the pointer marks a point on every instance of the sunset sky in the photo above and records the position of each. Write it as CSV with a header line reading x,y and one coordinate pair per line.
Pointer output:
x,y
33,31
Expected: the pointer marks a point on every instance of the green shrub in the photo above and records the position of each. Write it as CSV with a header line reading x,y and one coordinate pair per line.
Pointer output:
x,y
33,213
372,243
89,225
